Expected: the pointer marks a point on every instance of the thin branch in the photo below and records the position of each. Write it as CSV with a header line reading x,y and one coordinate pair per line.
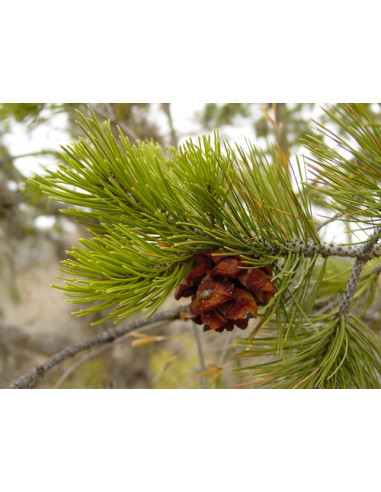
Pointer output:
x,y
107,336
95,353
78,363
280,127
10,158
327,249
200,354
166,107
345,301
361,259
350,287
167,364
225,349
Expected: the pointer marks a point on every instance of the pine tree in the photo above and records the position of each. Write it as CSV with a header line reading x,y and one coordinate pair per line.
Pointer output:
x,y
151,211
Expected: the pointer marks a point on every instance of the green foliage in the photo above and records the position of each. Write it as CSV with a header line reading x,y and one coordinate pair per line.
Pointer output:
x,y
20,112
349,166
149,212
325,352
335,278
32,114
224,114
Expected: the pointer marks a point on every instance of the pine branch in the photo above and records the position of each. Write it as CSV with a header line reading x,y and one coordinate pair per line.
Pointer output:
x,y
340,352
361,259
350,179
108,336
98,351
323,352
310,249
154,212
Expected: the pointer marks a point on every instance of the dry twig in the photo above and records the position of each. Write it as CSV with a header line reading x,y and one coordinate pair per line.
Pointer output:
x,y
108,336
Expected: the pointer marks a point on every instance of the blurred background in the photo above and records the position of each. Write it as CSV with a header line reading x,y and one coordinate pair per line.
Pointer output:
x,y
35,322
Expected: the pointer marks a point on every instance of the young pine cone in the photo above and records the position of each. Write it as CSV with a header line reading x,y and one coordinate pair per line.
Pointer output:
x,y
223,293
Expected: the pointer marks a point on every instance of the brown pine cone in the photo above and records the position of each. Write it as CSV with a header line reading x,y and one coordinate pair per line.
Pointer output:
x,y
224,293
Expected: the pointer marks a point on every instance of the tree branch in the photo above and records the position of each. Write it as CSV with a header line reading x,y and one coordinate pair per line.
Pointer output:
x,y
364,251
361,259
108,336
200,354
10,158
95,353
166,107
